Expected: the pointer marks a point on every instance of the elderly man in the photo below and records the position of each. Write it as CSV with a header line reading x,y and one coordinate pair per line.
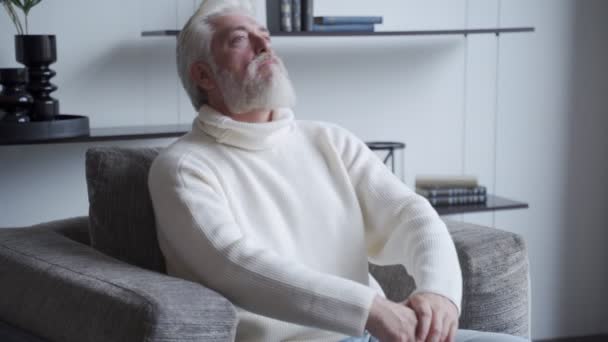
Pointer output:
x,y
281,216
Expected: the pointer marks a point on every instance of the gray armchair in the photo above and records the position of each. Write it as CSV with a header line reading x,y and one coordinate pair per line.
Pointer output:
x,y
101,277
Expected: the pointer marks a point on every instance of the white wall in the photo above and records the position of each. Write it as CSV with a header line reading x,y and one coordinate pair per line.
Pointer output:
x,y
551,150
524,112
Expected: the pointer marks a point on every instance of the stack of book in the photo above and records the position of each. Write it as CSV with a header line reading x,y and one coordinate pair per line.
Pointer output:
x,y
451,190
297,15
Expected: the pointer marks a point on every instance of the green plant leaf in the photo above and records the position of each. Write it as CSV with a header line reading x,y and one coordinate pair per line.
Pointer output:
x,y
10,10
17,3
25,5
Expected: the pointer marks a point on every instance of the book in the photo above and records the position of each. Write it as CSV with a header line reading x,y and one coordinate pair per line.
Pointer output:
x,y
445,181
296,15
338,20
286,24
343,28
457,191
307,15
457,200
273,15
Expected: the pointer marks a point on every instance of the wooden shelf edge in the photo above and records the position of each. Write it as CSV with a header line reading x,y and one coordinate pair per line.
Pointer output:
x,y
465,32
494,203
146,132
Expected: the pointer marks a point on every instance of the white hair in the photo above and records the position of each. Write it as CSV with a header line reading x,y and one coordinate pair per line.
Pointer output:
x,y
194,41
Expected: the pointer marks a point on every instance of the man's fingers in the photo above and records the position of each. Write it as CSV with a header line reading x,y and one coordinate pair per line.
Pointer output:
x,y
436,329
408,323
437,320
447,325
452,333
424,313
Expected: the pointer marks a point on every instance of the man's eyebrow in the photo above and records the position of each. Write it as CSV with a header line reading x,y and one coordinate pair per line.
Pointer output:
x,y
235,28
230,30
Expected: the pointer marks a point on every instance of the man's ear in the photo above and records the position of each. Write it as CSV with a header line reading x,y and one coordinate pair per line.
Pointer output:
x,y
201,73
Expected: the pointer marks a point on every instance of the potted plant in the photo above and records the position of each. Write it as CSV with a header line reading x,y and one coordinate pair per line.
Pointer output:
x,y
36,52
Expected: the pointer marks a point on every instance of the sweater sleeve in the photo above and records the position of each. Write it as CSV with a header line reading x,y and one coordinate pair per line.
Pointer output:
x,y
197,228
401,226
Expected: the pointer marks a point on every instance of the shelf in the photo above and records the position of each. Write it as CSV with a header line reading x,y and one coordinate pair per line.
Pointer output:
x,y
173,131
465,32
493,203
152,132
118,133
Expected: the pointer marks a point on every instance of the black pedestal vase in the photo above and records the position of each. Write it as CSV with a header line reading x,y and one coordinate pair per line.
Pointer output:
x,y
37,52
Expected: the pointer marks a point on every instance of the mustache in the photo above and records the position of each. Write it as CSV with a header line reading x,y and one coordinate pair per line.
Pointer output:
x,y
262,58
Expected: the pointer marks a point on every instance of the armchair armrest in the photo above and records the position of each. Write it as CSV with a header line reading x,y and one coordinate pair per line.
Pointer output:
x,y
495,273
62,290
74,228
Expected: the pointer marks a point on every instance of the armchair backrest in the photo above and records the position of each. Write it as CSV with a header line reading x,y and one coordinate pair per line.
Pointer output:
x,y
121,217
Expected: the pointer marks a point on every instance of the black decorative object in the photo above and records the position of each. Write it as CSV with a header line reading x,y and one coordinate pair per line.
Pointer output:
x,y
37,52
389,147
14,100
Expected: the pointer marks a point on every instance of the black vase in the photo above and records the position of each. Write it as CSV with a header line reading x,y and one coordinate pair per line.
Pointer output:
x,y
37,52
14,100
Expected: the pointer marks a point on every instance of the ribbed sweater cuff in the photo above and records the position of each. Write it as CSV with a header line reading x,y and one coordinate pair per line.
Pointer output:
x,y
352,321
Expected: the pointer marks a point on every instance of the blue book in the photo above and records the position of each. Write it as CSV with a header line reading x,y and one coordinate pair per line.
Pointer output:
x,y
338,20
343,28
307,15
273,15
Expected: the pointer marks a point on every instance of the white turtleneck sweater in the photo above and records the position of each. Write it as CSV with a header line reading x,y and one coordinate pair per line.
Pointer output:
x,y
282,217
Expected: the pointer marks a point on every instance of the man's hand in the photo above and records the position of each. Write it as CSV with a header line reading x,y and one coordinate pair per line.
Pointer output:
x,y
437,317
391,322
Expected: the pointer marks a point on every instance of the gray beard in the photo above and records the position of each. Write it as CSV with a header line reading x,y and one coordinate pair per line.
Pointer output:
x,y
255,92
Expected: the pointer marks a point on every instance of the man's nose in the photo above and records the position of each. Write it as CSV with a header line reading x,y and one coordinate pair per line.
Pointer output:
x,y
261,45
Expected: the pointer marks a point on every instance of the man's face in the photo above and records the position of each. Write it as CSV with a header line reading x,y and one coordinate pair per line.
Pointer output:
x,y
247,72
237,41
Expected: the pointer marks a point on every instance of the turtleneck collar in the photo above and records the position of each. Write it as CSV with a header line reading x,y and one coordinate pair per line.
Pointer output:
x,y
246,135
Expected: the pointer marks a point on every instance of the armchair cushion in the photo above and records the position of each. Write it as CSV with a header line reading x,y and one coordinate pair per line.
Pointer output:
x,y
121,217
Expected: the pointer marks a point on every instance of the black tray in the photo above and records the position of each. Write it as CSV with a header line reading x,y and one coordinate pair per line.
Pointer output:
x,y
63,126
